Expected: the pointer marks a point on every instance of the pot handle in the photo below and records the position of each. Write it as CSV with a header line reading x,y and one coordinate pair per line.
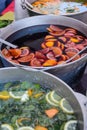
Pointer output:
x,y
85,106
82,99
83,102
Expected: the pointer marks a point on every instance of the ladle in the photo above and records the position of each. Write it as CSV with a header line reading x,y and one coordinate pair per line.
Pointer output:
x,y
28,4
76,54
7,43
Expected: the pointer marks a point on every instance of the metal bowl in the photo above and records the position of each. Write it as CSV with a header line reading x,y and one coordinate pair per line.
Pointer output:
x,y
72,72
81,12
52,82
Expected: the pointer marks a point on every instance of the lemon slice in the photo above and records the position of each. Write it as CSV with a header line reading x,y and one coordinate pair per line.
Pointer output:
x,y
4,95
65,106
20,120
6,127
54,97
25,128
16,95
71,125
49,100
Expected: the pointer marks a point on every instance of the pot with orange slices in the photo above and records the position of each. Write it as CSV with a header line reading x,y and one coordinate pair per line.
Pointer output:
x,y
47,43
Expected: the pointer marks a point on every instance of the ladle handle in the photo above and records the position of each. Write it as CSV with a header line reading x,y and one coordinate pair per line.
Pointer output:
x,y
28,4
47,68
76,54
7,43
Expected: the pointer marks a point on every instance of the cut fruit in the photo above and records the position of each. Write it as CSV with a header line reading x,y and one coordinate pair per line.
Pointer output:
x,y
65,106
54,97
20,121
15,52
6,127
25,128
4,95
40,128
16,95
50,62
71,125
51,112
49,100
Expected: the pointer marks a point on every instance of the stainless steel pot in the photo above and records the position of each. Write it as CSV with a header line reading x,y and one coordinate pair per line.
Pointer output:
x,y
46,79
74,15
21,12
70,72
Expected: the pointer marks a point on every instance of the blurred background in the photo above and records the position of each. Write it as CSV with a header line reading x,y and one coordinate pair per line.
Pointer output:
x,y
4,4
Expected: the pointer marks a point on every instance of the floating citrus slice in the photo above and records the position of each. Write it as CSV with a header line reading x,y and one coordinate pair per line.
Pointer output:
x,y
4,95
6,127
16,95
71,125
54,97
49,100
65,106
19,122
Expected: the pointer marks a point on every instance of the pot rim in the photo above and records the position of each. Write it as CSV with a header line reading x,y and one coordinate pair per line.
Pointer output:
x,y
38,18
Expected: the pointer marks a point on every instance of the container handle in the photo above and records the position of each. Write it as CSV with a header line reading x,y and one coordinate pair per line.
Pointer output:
x,y
83,100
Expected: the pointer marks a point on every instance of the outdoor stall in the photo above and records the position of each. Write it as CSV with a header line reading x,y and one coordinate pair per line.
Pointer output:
x,y
28,31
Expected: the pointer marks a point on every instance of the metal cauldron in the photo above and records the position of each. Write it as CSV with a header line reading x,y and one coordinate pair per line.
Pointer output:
x,y
72,72
22,12
79,15
48,80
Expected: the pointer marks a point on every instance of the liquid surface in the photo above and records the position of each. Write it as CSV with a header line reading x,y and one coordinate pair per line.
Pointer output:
x,y
26,104
53,45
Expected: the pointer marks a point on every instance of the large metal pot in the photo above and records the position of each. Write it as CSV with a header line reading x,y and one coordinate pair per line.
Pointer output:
x,y
22,12
71,72
46,79
75,15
